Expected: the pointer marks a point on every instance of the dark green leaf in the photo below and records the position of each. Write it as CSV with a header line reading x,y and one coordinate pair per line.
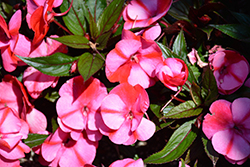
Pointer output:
x,y
74,41
156,110
75,18
208,30
166,52
196,93
102,40
180,47
211,153
238,31
110,16
58,64
95,7
209,90
194,73
89,65
183,110
34,140
178,143
54,124
179,10
242,18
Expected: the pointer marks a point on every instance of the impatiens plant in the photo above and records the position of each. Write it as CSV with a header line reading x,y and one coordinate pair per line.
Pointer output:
x,y
113,83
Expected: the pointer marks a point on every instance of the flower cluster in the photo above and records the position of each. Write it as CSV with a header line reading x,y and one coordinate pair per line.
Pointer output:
x,y
120,88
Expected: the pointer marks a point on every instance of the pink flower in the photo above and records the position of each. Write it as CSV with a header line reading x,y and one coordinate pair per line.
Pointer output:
x,y
12,131
34,80
11,42
172,73
180,164
133,60
192,56
229,129
128,162
230,70
78,105
122,112
16,98
59,149
142,13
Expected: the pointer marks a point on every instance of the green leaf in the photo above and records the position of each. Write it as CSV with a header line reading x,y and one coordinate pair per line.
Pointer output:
x,y
166,52
208,30
211,153
88,65
209,90
179,10
178,143
110,16
52,96
95,7
103,40
180,47
156,110
238,31
196,94
74,41
34,139
58,64
75,18
54,124
183,110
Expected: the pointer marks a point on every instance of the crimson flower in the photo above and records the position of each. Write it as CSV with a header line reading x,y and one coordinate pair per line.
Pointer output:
x,y
16,98
172,73
78,105
230,70
143,13
128,162
133,60
12,131
229,129
11,42
59,149
122,112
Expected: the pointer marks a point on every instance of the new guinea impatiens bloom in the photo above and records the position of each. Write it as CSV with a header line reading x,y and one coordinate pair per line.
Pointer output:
x,y
143,13
14,96
173,72
228,128
230,70
11,42
128,162
12,131
78,105
60,150
39,16
34,80
122,113
133,60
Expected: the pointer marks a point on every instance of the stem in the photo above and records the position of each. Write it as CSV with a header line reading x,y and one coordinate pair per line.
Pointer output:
x,y
172,97
65,29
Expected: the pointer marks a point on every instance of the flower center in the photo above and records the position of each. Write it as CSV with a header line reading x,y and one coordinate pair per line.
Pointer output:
x,y
134,58
237,129
85,111
130,115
